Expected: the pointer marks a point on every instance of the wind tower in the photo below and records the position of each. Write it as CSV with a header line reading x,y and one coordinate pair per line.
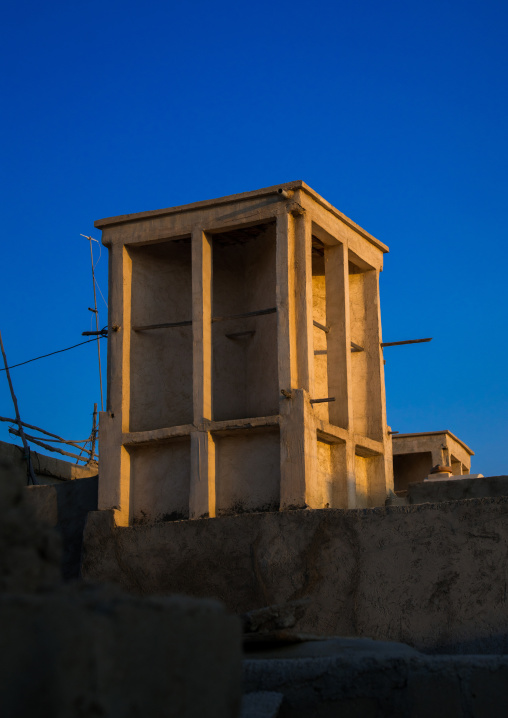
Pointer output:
x,y
245,367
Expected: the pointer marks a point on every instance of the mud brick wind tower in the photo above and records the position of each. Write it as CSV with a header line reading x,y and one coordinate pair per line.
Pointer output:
x,y
245,367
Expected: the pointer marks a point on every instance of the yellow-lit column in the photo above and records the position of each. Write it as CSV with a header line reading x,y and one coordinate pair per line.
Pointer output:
x,y
202,482
114,461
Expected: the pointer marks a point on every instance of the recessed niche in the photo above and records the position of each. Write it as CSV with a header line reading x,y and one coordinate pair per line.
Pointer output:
x,y
247,470
244,348
161,358
411,467
160,481
366,378
332,476
321,328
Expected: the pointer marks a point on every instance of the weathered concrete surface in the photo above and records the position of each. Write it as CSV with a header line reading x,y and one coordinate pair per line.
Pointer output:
x,y
65,506
48,470
95,652
432,576
457,489
380,681
29,551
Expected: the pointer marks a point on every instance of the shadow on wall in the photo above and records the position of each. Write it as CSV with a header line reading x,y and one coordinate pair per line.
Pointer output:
x,y
65,506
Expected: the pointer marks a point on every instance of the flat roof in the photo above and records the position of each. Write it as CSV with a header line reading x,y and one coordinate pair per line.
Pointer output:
x,y
434,433
297,184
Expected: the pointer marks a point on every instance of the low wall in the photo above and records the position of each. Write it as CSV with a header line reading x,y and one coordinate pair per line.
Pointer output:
x,y
48,469
379,682
457,489
65,507
432,576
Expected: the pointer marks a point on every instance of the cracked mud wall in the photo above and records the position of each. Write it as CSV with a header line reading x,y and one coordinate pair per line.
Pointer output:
x,y
433,576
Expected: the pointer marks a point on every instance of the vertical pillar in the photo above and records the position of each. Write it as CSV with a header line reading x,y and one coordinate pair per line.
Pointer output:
x,y
339,335
298,441
303,302
286,313
202,325
114,462
298,454
202,489
376,411
202,482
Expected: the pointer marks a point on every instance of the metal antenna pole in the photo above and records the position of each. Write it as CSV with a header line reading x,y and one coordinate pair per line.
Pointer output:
x,y
96,319
18,418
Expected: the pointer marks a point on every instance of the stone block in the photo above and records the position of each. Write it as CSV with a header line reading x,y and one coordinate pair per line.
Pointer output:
x,y
95,652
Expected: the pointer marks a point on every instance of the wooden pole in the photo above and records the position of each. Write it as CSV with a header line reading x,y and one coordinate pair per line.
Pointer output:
x,y
48,447
94,433
96,322
31,471
57,438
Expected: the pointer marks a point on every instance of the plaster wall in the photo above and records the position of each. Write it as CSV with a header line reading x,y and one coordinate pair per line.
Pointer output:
x,y
431,575
244,368
332,473
362,481
247,471
160,481
161,360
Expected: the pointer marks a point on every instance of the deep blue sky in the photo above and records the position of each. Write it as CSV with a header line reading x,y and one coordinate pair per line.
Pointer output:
x,y
396,112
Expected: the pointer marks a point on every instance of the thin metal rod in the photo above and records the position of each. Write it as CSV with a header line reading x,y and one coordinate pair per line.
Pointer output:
x,y
162,326
241,335
321,401
322,327
31,471
100,333
96,322
48,447
409,341
272,310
